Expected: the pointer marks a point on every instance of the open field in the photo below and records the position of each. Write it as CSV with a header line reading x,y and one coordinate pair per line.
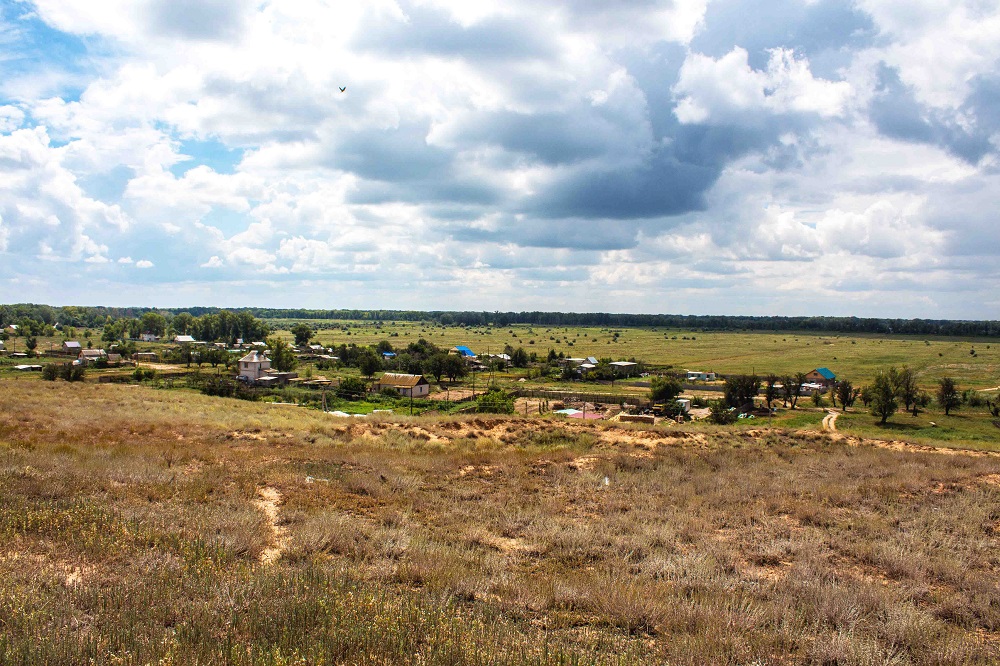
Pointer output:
x,y
143,526
852,357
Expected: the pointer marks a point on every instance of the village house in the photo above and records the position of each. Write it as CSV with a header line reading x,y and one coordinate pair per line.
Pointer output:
x,y
822,376
699,376
71,347
149,337
254,366
88,356
408,386
184,338
462,351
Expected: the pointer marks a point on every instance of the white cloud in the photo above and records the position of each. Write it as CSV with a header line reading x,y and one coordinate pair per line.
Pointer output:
x,y
11,118
724,90
214,135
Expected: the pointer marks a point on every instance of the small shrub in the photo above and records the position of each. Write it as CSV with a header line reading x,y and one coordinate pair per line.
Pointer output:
x,y
721,413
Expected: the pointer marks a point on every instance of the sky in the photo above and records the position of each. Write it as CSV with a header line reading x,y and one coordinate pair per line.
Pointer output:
x,y
786,157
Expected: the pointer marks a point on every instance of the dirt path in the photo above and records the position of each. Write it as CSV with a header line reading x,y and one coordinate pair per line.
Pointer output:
x,y
268,503
830,421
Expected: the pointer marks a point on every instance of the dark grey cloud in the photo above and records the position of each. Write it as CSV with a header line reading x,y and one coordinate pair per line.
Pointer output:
x,y
897,113
199,19
433,32
816,29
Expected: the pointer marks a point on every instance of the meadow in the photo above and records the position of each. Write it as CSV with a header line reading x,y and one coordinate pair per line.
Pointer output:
x,y
144,526
857,358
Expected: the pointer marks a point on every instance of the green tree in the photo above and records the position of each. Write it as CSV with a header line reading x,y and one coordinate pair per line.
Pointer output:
x,y
281,354
455,367
519,358
846,393
741,390
791,386
369,363
495,401
905,385
770,389
182,323
351,388
883,396
152,322
302,333
31,343
436,365
948,395
721,413
664,389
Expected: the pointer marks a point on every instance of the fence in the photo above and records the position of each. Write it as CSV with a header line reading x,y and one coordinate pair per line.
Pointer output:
x,y
579,396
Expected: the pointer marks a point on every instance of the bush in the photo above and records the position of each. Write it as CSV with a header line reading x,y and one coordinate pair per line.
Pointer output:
x,y
142,374
495,401
351,388
817,399
721,413
50,372
664,389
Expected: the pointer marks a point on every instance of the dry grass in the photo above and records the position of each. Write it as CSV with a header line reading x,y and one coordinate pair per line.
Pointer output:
x,y
133,526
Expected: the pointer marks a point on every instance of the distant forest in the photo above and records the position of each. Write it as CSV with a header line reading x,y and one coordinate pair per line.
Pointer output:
x,y
92,317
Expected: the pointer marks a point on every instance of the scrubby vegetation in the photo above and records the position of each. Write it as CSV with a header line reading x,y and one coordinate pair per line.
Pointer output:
x,y
143,526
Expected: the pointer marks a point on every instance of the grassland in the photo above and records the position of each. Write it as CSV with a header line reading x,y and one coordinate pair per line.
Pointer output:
x,y
853,357
143,526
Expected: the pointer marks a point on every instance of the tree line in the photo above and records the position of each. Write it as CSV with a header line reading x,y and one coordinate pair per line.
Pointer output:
x,y
98,316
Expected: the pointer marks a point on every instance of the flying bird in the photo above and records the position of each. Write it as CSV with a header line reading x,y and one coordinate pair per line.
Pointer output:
x,y
343,88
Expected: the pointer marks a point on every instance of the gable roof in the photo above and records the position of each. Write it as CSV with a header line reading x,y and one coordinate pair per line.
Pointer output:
x,y
825,372
183,338
71,344
93,353
399,380
464,351
255,357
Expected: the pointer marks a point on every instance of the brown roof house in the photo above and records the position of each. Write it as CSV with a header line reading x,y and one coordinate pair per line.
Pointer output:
x,y
71,347
88,356
254,365
409,386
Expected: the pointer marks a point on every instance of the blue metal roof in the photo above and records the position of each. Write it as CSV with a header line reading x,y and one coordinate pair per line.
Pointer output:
x,y
464,351
826,373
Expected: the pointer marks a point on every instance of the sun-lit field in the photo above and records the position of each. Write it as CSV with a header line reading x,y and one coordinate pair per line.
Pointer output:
x,y
852,357
144,526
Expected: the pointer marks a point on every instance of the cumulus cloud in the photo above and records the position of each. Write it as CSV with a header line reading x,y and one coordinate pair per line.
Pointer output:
x,y
590,156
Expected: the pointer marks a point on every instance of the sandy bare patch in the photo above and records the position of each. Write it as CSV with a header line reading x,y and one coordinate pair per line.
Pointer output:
x,y
268,503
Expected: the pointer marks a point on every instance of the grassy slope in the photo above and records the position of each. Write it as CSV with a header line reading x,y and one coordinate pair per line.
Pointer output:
x,y
130,531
